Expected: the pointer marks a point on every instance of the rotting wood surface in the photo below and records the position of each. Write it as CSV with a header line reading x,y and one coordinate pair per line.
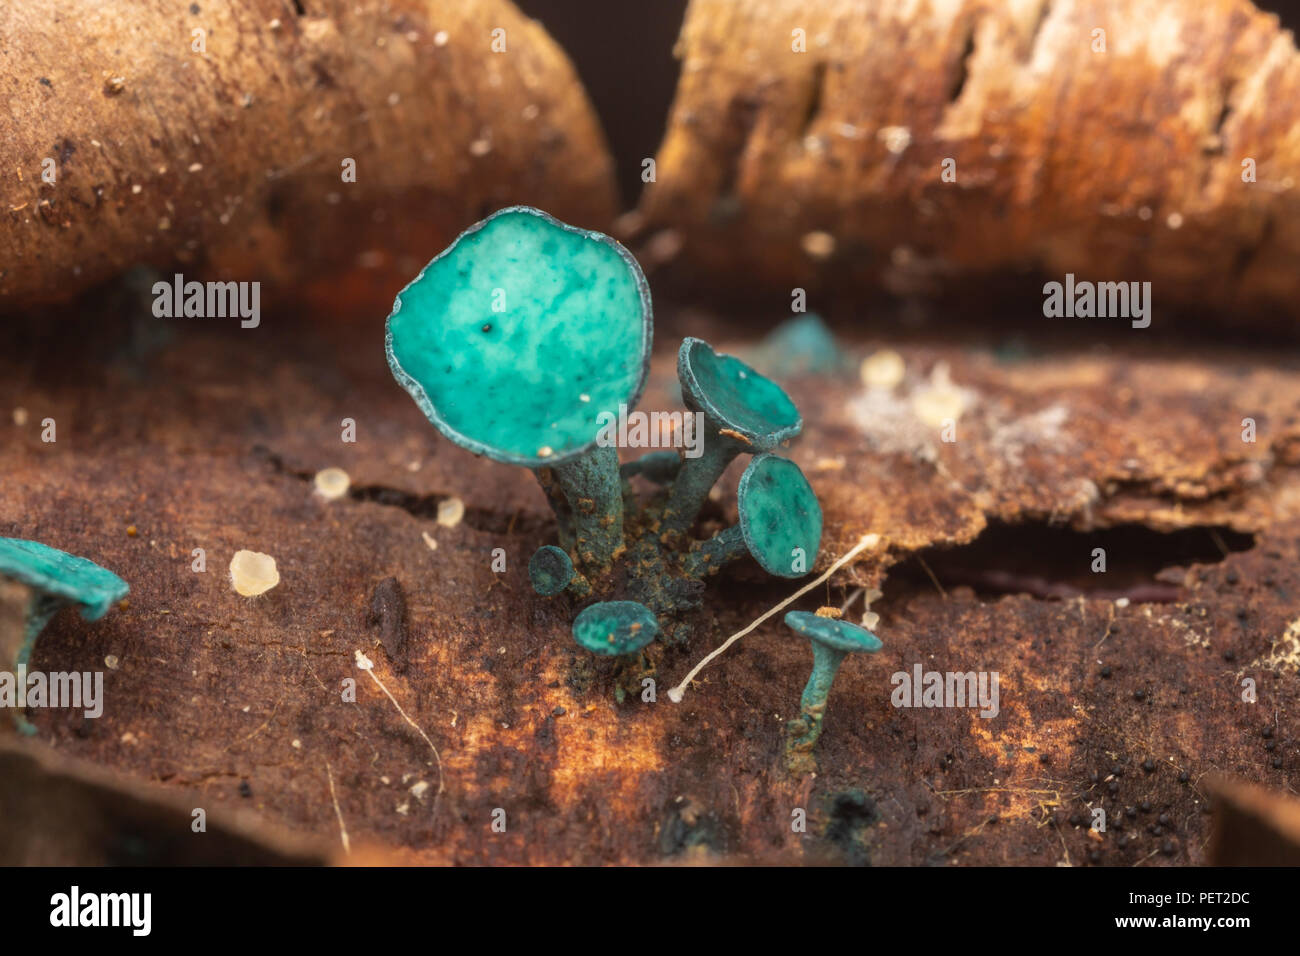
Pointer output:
x,y
209,440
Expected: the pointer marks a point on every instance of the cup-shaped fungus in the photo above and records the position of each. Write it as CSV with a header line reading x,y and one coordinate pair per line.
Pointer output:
x,y
514,341
801,345
551,571
832,639
614,628
743,412
780,523
43,580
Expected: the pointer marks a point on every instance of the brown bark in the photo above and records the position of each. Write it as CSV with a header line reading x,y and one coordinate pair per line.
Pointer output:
x,y
1122,165
227,163
231,702
1254,826
57,811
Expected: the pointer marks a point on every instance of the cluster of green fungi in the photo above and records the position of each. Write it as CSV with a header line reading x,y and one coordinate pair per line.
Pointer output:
x,y
516,341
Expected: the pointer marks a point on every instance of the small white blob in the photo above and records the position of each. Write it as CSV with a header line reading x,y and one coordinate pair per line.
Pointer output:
x,y
450,511
253,573
882,369
332,483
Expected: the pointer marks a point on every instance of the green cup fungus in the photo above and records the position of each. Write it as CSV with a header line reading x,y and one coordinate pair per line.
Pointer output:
x,y
832,640
516,341
49,581
744,412
551,571
780,523
615,628
801,345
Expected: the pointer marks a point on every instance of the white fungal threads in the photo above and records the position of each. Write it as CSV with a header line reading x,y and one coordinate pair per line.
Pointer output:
x,y
338,811
332,483
867,541
366,664
450,512
253,573
896,139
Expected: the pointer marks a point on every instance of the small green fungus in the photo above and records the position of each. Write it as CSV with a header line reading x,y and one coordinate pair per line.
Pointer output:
x,y
832,640
49,580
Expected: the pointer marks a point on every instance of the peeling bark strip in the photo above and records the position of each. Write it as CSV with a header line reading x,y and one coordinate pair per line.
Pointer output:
x,y
274,147
54,807
1254,826
1120,165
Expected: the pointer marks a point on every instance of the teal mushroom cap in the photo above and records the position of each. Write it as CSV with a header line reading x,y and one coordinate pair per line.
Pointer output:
x,y
745,413
61,577
801,345
516,338
612,628
780,523
835,633
550,570
780,517
736,397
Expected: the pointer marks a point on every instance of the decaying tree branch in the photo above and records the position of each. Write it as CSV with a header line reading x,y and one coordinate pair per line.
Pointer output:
x,y
1149,140
221,137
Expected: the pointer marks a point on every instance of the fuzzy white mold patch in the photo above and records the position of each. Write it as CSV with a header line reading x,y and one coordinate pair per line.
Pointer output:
x,y
1042,429
910,420
1192,637
1283,656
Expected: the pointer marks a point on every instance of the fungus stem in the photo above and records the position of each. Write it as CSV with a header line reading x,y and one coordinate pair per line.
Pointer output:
x,y
661,467
812,703
559,504
706,557
595,497
39,612
38,615
697,477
